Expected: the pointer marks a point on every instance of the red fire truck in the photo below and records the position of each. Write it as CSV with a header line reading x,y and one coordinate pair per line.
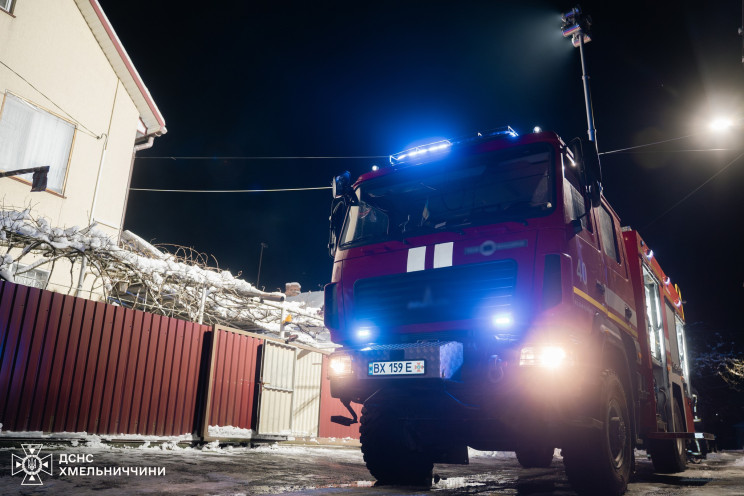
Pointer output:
x,y
485,296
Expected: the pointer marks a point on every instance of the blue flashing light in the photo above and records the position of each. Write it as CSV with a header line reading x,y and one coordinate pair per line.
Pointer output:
x,y
432,151
503,321
428,149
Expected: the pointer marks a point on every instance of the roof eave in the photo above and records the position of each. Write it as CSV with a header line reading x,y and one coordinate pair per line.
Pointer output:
x,y
122,65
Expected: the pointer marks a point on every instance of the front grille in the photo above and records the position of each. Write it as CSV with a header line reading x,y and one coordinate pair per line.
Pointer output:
x,y
464,292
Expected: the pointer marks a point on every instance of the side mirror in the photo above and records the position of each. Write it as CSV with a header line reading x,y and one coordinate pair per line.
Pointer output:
x,y
338,211
341,185
591,169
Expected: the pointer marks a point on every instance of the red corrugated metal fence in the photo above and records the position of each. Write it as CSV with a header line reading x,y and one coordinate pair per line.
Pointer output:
x,y
74,365
232,387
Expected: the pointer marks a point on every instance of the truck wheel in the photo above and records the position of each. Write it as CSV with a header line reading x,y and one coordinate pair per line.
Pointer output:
x,y
599,461
669,456
535,456
391,453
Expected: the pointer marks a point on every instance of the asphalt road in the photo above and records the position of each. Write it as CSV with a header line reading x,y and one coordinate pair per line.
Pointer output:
x,y
103,470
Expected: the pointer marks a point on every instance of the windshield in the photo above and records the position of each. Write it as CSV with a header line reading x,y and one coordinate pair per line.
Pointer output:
x,y
512,184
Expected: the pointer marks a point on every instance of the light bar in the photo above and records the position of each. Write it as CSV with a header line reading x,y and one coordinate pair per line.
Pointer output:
x,y
418,151
431,151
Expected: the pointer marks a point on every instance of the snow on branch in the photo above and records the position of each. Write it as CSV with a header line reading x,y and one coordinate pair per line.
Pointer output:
x,y
170,280
726,365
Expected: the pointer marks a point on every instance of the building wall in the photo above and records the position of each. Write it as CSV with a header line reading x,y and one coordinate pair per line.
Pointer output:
x,y
49,44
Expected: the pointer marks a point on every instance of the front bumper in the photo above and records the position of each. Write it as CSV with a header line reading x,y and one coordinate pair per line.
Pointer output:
x,y
488,395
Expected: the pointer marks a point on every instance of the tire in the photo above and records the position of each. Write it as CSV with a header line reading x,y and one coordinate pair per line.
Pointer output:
x,y
670,456
600,461
391,452
535,456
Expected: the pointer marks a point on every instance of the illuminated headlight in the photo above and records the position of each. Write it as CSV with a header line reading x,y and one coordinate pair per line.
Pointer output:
x,y
548,357
340,365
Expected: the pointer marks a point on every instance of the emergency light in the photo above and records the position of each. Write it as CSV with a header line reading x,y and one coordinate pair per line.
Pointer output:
x,y
430,148
432,151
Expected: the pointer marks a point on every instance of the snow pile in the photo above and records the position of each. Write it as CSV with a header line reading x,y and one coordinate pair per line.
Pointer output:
x,y
229,432
139,275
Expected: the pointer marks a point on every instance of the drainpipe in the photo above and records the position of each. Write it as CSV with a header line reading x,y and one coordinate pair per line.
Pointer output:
x,y
137,147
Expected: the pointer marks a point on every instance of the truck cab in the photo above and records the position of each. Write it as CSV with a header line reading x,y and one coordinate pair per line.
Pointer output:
x,y
485,296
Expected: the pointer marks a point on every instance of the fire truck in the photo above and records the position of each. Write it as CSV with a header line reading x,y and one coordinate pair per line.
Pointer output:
x,y
486,296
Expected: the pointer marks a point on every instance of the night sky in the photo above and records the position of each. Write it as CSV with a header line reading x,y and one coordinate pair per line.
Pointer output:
x,y
365,79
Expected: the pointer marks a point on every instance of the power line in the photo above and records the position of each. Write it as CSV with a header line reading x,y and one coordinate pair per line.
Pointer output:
x,y
228,190
359,157
647,144
692,150
86,130
694,191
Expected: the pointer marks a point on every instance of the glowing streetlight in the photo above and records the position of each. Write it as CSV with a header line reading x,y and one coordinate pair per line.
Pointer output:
x,y
721,124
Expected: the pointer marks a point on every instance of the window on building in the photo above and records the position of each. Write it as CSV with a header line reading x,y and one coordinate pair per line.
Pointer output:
x,y
32,137
36,278
7,5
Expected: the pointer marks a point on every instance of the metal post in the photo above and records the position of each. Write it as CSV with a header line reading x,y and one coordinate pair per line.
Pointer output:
x,y
587,95
260,259
281,324
202,303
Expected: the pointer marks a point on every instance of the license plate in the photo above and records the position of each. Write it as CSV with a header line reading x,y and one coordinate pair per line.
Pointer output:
x,y
401,367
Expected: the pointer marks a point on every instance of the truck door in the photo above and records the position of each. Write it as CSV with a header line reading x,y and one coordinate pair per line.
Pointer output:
x,y
618,292
587,259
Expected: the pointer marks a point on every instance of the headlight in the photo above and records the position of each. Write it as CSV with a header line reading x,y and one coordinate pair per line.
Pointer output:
x,y
549,357
340,365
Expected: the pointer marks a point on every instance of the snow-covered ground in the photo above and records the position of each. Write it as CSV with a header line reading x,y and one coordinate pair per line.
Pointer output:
x,y
303,470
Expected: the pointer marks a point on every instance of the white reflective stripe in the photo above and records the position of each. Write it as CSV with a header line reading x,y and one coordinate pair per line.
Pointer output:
x,y
416,259
443,255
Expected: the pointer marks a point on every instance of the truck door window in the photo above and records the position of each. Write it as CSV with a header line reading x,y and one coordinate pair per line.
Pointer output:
x,y
573,198
607,235
653,315
364,223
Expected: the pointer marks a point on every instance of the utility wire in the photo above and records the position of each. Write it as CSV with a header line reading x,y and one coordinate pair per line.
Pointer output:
x,y
647,144
228,190
86,130
684,150
694,191
263,158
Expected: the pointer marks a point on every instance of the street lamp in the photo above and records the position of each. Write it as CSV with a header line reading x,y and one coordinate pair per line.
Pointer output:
x,y
721,124
577,25
260,259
